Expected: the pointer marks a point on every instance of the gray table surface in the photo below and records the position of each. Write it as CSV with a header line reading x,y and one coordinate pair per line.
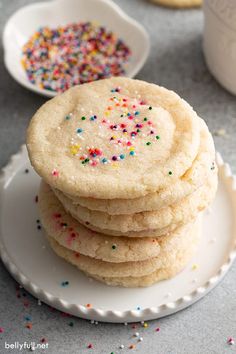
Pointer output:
x,y
176,61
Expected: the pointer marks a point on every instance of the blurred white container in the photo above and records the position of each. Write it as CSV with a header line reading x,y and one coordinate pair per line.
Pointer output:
x,y
219,42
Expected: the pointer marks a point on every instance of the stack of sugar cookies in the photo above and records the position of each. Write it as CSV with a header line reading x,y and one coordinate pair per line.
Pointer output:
x,y
127,167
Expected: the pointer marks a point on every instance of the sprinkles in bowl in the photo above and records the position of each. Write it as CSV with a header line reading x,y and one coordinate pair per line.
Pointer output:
x,y
57,59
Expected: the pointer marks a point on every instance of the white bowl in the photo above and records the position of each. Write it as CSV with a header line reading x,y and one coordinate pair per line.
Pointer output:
x,y
24,22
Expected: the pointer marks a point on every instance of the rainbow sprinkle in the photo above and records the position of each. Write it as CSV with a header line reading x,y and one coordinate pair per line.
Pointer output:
x,y
230,341
133,123
57,59
64,283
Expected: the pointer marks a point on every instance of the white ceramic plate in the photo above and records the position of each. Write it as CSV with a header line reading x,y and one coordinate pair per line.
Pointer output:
x,y
27,256
23,23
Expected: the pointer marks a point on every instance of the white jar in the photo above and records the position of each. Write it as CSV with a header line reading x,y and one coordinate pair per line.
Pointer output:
x,y
219,43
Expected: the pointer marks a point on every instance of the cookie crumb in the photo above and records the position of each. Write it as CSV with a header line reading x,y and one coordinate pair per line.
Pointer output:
x,y
220,132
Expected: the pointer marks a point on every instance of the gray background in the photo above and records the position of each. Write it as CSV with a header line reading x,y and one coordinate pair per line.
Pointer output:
x,y
176,61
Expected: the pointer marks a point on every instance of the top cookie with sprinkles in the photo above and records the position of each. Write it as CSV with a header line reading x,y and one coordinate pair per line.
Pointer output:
x,y
113,138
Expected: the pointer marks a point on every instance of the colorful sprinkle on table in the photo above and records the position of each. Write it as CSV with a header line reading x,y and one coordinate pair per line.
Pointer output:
x,y
230,341
56,59
39,227
1,330
64,283
27,318
26,303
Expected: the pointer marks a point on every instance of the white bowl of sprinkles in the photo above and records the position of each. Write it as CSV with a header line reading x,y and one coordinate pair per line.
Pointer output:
x,y
80,40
